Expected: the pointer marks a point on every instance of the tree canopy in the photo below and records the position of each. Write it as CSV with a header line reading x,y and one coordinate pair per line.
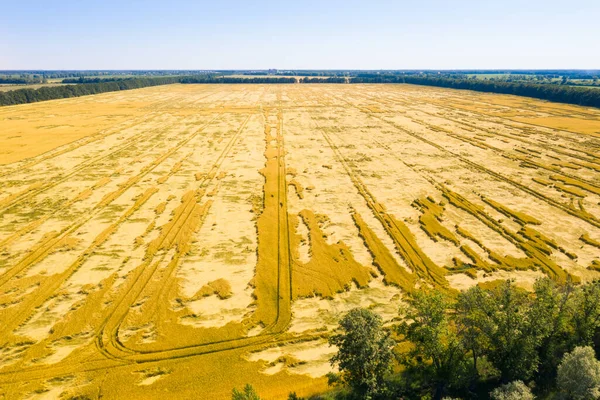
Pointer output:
x,y
364,352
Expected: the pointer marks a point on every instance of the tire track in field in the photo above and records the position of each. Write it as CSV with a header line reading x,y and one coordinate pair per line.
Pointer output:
x,y
148,268
254,341
83,141
509,127
33,225
53,182
593,135
75,145
540,259
576,213
48,244
404,241
484,116
283,300
130,142
503,153
272,335
205,181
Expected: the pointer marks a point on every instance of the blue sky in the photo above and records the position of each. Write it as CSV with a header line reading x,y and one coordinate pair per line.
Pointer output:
x,y
376,34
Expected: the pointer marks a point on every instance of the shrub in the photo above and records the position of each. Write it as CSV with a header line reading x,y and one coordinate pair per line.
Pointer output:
x,y
579,374
515,390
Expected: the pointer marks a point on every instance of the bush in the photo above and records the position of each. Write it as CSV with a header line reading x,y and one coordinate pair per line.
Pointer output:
x,y
515,390
579,374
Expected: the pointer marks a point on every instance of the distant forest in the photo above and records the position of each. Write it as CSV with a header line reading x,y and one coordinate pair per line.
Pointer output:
x,y
566,86
21,96
230,79
579,95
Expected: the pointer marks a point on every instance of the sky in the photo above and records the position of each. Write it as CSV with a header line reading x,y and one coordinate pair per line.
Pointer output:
x,y
326,34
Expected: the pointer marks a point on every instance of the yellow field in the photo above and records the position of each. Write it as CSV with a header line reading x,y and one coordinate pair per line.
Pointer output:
x,y
177,241
8,88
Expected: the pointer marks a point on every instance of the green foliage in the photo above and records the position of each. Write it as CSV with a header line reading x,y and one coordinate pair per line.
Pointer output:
x,y
332,79
579,374
464,346
472,309
586,313
437,351
21,96
81,79
247,394
515,390
552,311
101,85
514,334
499,324
230,79
364,353
21,81
520,85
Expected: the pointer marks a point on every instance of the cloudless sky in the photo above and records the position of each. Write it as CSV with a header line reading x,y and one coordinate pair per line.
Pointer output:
x,y
326,34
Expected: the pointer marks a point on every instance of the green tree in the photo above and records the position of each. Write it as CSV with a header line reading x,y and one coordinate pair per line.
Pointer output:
x,y
551,311
437,349
364,353
579,374
513,337
586,313
247,394
472,309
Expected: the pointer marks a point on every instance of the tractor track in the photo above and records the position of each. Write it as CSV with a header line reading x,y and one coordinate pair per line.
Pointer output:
x,y
46,247
53,182
591,219
109,343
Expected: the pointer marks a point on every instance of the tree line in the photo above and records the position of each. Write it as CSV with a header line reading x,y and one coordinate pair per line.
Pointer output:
x,y
231,79
22,80
485,338
82,79
98,85
582,96
500,342
333,79
21,96
559,93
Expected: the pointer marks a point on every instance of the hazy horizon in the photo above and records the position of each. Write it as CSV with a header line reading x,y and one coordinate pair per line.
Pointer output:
x,y
382,35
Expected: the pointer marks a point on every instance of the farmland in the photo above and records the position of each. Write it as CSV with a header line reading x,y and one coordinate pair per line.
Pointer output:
x,y
181,240
8,88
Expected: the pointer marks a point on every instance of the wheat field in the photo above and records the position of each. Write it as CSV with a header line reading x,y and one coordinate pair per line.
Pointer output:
x,y
182,240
